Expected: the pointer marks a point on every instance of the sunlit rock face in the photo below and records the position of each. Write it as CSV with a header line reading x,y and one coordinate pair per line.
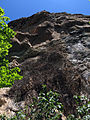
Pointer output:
x,y
52,49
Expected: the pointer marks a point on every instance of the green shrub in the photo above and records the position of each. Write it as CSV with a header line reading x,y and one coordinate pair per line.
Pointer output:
x,y
46,107
7,75
83,109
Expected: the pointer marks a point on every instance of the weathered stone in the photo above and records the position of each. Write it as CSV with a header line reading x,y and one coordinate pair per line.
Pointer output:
x,y
52,49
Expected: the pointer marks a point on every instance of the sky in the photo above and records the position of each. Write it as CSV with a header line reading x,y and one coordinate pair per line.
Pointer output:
x,y
16,9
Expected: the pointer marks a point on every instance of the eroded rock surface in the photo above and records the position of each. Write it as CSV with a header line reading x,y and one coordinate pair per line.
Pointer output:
x,y
52,49
8,106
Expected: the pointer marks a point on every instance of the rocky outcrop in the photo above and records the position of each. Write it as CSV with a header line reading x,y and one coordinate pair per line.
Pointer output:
x,y
52,49
8,106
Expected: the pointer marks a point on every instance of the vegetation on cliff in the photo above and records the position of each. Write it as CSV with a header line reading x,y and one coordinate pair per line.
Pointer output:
x,y
47,105
7,75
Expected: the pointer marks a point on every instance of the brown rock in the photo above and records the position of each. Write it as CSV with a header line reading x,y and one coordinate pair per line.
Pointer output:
x,y
47,47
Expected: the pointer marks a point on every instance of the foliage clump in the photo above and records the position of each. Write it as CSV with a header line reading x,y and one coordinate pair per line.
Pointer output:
x,y
7,75
48,107
45,107
82,110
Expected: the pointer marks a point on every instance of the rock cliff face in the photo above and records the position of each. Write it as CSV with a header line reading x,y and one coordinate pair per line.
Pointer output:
x,y
52,49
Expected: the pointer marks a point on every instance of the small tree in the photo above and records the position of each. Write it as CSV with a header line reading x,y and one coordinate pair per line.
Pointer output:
x,y
7,75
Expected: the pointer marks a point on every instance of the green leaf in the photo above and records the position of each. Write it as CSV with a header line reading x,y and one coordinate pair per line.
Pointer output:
x,y
7,75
